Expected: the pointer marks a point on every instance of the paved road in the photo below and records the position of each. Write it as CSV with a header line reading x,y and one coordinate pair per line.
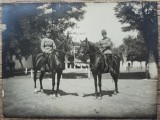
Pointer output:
x,y
136,99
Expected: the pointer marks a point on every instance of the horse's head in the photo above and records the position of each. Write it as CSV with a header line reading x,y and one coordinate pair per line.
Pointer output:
x,y
67,46
83,49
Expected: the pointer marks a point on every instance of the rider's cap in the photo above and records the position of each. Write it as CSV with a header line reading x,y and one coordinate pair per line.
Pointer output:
x,y
104,31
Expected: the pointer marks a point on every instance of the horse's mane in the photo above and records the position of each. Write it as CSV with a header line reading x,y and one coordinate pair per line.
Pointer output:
x,y
93,44
57,42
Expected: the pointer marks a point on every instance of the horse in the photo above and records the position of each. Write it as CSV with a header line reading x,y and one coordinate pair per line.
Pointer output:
x,y
97,64
55,64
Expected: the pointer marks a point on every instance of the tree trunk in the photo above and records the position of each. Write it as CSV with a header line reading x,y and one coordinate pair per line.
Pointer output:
x,y
152,66
141,64
132,64
20,61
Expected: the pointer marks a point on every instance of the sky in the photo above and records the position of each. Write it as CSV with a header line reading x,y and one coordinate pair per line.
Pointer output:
x,y
100,16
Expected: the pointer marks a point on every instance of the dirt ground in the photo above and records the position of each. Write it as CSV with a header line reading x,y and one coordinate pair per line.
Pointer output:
x,y
137,99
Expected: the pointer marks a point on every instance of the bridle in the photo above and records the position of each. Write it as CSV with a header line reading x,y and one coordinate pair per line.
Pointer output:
x,y
86,50
60,46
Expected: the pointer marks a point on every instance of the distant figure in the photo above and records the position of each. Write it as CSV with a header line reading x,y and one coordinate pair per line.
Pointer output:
x,y
129,65
106,47
11,65
47,46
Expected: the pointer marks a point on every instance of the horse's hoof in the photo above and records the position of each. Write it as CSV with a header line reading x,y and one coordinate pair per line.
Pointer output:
x,y
100,98
54,96
116,92
58,95
42,91
96,96
35,91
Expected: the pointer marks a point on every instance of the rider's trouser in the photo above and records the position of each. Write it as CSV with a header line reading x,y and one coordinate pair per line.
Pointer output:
x,y
108,61
45,59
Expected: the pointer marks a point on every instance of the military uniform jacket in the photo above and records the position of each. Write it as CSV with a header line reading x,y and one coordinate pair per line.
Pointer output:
x,y
106,45
47,45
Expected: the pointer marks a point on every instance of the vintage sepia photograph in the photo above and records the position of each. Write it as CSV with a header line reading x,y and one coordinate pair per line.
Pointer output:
x,y
77,59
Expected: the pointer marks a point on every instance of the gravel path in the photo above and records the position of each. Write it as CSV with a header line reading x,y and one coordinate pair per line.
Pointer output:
x,y
137,98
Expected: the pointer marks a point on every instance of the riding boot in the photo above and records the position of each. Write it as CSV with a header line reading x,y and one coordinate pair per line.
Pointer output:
x,y
63,66
106,68
44,62
110,65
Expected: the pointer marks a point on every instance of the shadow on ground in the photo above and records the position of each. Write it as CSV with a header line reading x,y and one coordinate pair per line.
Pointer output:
x,y
61,92
109,93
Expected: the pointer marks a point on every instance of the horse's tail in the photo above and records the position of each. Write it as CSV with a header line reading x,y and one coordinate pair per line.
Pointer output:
x,y
116,60
33,60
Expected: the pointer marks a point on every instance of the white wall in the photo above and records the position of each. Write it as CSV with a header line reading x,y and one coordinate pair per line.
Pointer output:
x,y
136,66
27,63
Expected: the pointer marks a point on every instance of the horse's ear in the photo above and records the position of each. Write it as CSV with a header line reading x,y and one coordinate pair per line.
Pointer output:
x,y
86,39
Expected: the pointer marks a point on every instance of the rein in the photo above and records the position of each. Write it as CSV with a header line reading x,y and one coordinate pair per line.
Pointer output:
x,y
95,52
91,53
61,43
59,50
59,46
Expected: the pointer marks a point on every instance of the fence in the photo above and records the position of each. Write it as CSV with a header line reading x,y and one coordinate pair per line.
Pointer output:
x,y
71,68
78,67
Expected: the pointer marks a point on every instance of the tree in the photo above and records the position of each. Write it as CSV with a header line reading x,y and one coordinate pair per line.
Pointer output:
x,y
141,16
27,23
136,49
119,50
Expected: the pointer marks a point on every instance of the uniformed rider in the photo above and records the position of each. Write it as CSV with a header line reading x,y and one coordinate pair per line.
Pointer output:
x,y
47,46
106,46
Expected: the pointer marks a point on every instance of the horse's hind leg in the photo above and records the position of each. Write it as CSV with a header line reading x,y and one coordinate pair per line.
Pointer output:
x,y
115,78
58,82
53,82
40,79
35,78
95,83
100,84
116,85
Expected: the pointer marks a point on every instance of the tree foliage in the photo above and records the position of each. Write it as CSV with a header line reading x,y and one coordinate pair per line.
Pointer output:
x,y
136,49
27,23
119,51
142,17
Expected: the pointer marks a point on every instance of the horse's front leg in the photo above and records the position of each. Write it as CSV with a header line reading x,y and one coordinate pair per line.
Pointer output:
x,y
59,73
115,78
116,86
35,78
40,79
100,84
53,82
95,83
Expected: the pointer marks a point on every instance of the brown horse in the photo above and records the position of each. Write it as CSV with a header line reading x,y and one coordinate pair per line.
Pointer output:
x,y
55,64
97,64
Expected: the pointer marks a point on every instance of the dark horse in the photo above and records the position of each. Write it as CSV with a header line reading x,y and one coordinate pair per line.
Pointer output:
x,y
55,64
97,64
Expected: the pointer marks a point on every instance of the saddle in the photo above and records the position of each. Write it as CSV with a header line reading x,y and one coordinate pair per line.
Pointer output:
x,y
46,66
